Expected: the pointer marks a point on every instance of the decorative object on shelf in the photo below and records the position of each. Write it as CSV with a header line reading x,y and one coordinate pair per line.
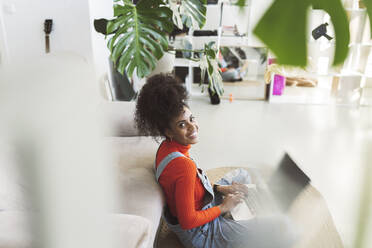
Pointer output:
x,y
138,35
321,31
301,81
278,82
48,24
286,71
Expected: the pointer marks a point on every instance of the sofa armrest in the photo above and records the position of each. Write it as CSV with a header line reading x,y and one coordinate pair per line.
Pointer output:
x,y
142,196
14,230
130,230
119,118
139,193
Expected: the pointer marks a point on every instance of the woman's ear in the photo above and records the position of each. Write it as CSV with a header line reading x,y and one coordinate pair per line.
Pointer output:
x,y
168,133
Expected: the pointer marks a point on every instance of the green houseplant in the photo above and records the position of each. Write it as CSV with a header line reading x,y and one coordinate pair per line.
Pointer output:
x,y
137,36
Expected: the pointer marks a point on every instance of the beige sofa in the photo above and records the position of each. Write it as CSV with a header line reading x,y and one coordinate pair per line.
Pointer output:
x,y
136,216
134,158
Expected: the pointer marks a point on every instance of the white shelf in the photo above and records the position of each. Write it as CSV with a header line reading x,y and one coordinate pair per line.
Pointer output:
x,y
302,95
360,44
230,41
356,10
181,62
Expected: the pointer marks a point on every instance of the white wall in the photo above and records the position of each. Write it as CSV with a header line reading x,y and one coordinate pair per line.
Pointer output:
x,y
73,30
100,9
3,46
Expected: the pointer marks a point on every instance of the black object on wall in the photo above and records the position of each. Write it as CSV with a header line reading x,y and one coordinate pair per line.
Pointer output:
x,y
48,27
320,31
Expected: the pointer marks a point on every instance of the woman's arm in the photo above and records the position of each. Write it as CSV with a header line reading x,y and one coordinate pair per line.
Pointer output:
x,y
187,215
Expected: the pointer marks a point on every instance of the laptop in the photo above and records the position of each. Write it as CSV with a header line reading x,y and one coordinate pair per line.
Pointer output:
x,y
274,196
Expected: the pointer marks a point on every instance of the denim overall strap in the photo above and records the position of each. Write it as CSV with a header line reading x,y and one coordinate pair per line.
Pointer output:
x,y
205,181
165,162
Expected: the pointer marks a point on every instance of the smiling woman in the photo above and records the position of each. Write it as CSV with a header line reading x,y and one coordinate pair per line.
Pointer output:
x,y
184,128
194,209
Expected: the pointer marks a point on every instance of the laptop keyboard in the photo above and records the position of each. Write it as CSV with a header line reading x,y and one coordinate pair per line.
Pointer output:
x,y
253,202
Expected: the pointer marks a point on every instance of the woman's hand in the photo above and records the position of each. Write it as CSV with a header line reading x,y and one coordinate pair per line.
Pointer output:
x,y
230,201
234,188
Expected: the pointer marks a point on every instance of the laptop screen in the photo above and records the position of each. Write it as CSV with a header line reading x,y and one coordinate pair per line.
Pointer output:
x,y
287,182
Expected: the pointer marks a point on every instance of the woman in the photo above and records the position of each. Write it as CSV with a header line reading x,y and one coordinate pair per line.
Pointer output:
x,y
194,208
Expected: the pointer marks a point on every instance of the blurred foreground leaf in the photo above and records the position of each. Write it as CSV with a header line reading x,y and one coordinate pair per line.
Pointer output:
x,y
283,29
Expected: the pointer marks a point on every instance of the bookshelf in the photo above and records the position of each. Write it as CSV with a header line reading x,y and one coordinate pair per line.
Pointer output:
x,y
232,18
348,84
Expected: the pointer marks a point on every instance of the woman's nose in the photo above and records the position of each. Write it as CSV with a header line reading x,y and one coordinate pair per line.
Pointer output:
x,y
192,127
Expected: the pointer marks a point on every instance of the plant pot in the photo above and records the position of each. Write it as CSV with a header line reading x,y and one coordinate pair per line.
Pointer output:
x,y
215,99
165,64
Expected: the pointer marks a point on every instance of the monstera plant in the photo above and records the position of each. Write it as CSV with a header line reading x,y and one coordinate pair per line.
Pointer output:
x,y
137,36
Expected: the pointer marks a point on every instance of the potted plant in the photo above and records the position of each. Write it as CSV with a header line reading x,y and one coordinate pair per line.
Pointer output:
x,y
137,36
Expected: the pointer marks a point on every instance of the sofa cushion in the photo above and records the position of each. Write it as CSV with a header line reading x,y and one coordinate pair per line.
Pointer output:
x,y
132,152
130,230
141,195
14,230
119,118
12,187
126,230
139,192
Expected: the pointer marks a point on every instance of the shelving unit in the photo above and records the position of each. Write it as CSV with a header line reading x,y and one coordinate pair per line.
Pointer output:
x,y
348,84
231,16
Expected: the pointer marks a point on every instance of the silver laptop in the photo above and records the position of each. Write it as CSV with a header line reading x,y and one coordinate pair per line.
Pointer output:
x,y
275,196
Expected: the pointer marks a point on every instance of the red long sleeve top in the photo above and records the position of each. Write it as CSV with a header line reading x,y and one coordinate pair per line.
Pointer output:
x,y
183,189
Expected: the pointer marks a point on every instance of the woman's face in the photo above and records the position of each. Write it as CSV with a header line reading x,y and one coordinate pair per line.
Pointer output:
x,y
184,128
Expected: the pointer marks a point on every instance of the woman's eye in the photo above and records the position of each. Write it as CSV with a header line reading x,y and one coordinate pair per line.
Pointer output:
x,y
192,118
182,125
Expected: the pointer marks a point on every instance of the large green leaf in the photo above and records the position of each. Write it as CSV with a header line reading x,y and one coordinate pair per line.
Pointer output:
x,y
193,13
283,27
139,38
341,25
190,12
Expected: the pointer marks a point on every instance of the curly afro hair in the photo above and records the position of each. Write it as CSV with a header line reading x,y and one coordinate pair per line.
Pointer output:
x,y
161,100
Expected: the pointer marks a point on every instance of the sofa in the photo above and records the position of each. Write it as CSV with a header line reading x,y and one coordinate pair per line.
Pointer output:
x,y
134,158
137,212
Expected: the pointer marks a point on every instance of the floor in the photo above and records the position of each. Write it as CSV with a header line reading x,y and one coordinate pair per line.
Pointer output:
x,y
328,142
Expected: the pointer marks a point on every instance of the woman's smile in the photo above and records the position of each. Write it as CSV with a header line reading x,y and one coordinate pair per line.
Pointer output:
x,y
184,128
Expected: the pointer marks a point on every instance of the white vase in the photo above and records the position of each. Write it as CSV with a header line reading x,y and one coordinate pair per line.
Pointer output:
x,y
165,64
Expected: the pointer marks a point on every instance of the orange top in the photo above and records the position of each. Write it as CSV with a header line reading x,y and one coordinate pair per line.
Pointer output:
x,y
182,187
